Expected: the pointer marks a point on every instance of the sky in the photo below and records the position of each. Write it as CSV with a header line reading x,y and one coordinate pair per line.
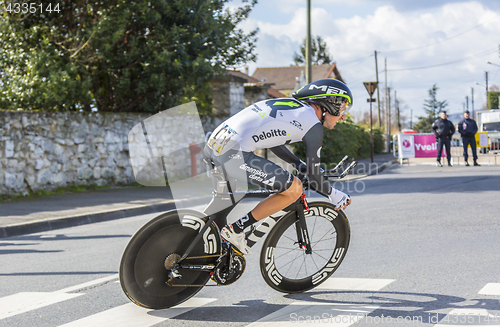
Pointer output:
x,y
425,42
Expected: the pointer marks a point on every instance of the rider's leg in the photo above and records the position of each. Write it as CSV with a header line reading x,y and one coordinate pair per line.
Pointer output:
x,y
278,201
270,205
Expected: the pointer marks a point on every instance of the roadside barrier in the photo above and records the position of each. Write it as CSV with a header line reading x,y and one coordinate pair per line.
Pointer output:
x,y
424,145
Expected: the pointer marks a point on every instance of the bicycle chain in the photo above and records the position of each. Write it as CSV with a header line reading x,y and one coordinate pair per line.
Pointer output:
x,y
200,257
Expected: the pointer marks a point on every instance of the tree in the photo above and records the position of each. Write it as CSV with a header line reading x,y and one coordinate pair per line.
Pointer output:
x,y
494,97
118,55
433,107
319,53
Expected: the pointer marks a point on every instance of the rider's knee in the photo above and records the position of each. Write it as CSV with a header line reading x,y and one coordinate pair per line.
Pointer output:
x,y
295,190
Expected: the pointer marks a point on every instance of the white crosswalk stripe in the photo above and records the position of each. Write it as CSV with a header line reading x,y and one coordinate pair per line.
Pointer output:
x,y
325,313
355,284
26,301
469,318
490,289
131,315
306,313
314,314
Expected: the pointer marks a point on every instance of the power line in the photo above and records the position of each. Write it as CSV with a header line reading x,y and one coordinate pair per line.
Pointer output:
x,y
484,53
356,60
451,37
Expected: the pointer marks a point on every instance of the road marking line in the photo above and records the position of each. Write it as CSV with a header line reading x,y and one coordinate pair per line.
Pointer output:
x,y
490,289
462,317
131,315
88,284
314,314
355,284
26,301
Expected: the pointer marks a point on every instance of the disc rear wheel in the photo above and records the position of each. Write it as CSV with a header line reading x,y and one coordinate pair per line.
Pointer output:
x,y
143,271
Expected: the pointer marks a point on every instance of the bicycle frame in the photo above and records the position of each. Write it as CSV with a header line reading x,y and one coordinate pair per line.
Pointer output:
x,y
267,224
223,193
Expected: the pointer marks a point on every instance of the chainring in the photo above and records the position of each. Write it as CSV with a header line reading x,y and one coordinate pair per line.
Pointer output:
x,y
225,273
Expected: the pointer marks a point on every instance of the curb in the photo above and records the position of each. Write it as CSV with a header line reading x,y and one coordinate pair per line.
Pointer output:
x,y
383,167
43,225
375,171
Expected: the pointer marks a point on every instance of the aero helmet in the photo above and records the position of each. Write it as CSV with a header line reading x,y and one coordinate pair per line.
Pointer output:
x,y
332,95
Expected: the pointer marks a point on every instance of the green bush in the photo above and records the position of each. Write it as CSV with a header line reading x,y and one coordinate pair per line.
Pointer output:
x,y
493,100
345,139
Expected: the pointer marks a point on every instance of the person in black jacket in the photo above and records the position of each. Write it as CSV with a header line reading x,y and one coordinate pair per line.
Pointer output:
x,y
468,128
443,129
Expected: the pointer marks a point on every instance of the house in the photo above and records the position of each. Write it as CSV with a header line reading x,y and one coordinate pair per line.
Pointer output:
x,y
288,79
237,90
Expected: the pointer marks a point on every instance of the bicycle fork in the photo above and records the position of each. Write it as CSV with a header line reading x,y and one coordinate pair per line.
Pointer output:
x,y
300,225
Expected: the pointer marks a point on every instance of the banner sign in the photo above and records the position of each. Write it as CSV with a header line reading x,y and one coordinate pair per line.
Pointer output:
x,y
426,146
481,139
406,146
417,146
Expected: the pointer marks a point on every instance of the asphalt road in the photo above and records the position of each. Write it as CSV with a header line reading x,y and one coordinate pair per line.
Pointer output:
x,y
425,244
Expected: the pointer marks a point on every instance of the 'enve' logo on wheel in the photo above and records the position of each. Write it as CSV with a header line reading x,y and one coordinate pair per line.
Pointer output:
x,y
209,241
321,275
328,213
273,274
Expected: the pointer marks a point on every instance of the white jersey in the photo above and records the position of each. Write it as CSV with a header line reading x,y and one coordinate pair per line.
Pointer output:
x,y
265,124
270,124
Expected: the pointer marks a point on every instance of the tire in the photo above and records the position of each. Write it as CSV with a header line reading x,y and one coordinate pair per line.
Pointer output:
x,y
143,275
285,266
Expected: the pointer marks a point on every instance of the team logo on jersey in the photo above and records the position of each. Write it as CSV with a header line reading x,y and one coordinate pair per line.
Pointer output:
x,y
281,105
267,135
258,111
291,104
296,124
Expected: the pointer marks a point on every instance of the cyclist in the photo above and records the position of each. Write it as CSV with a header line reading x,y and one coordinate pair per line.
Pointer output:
x,y
271,124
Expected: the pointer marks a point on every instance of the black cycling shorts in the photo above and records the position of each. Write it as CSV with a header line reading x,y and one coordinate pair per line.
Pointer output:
x,y
260,172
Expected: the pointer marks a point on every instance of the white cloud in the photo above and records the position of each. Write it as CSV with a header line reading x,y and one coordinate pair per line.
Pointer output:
x,y
388,30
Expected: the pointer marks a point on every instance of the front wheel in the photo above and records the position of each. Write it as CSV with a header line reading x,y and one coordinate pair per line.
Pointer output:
x,y
287,268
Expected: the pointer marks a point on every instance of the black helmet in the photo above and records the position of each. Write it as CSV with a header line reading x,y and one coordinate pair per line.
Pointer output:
x,y
332,95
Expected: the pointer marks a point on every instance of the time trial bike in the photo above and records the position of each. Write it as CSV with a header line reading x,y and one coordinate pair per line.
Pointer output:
x,y
173,256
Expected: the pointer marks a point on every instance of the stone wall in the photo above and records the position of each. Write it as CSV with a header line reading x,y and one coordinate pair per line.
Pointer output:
x,y
48,150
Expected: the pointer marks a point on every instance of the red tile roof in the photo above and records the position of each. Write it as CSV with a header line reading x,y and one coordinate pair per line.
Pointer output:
x,y
284,78
272,92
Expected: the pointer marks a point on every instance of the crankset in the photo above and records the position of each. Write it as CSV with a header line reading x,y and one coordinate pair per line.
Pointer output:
x,y
229,267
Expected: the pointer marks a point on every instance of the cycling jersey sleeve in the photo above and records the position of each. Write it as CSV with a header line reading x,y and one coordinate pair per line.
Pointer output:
x,y
313,141
284,154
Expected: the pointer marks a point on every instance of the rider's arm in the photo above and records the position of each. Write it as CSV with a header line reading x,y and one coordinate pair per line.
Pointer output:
x,y
283,153
313,141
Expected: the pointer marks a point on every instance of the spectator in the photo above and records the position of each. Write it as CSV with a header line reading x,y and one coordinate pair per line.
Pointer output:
x,y
468,129
443,129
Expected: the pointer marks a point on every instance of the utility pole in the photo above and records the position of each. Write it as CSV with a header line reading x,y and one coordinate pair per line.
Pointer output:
x,y
370,87
486,78
396,102
467,101
389,115
472,102
308,45
411,119
387,127
378,92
